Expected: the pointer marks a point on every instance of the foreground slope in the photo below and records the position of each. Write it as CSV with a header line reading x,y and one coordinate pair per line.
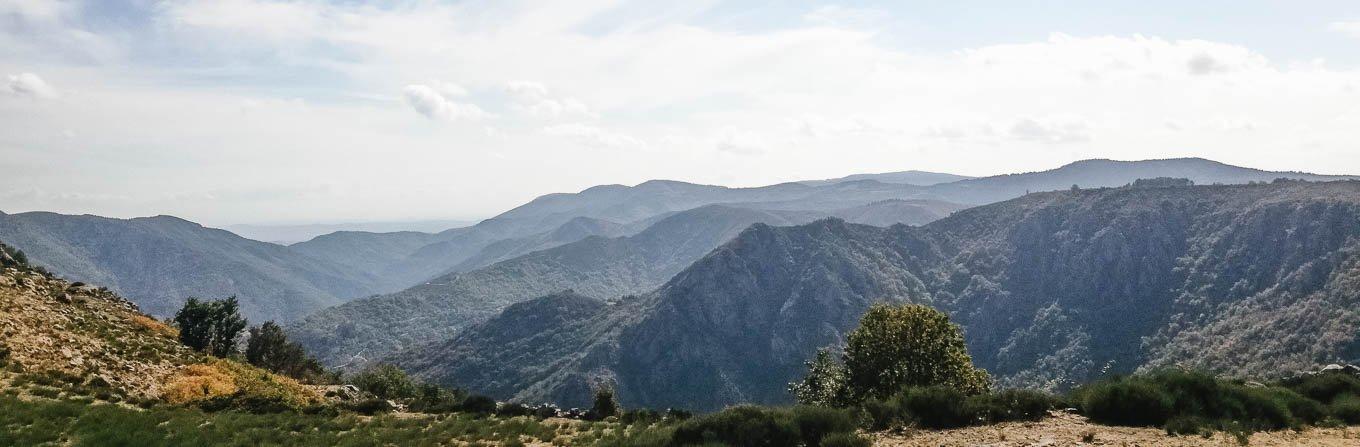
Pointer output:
x,y
159,261
1052,289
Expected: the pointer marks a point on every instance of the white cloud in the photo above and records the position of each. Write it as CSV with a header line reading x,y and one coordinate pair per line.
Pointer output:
x,y
594,136
742,142
1049,131
534,99
1350,28
28,85
435,104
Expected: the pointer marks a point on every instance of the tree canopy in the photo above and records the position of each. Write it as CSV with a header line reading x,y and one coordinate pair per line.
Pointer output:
x,y
210,326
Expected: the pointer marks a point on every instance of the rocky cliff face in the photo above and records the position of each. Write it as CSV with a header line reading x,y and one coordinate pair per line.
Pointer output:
x,y
1051,289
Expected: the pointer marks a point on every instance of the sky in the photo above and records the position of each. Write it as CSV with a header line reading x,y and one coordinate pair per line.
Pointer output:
x,y
262,111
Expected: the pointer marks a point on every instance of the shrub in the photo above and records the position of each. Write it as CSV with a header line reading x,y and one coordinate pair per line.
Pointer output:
x,y
477,403
1124,402
644,416
1346,409
1154,399
876,414
386,382
605,404
934,407
742,426
270,349
908,346
1326,386
824,384
155,327
512,409
198,382
1010,405
1189,425
846,439
431,398
371,406
815,423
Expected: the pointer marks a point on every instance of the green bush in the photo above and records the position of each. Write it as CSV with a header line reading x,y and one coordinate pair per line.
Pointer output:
x,y
385,382
1346,408
431,398
645,416
371,406
910,345
605,403
845,439
877,414
1157,398
742,426
512,409
1189,425
1326,387
477,403
815,423
1124,402
934,407
1010,405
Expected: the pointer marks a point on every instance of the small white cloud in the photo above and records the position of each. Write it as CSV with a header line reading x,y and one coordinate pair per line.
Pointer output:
x,y
430,102
533,98
28,85
1049,131
594,136
742,142
1349,28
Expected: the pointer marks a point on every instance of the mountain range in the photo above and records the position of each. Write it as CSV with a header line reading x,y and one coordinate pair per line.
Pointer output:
x,y
158,261
1051,289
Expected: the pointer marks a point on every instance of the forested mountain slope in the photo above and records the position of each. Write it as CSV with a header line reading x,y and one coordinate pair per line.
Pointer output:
x,y
159,261
1051,289
597,266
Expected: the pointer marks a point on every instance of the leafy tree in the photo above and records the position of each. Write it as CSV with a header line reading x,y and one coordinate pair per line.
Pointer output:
x,y
825,383
606,404
386,382
268,347
210,326
908,346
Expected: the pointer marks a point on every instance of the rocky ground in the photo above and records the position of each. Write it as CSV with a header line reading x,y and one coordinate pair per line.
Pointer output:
x,y
1064,429
54,327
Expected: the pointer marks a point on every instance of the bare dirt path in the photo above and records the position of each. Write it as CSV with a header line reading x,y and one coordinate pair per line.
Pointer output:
x,y
1064,429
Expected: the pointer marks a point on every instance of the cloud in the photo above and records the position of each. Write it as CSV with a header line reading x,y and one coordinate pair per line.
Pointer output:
x,y
28,85
435,104
534,99
1349,28
1049,131
594,136
742,142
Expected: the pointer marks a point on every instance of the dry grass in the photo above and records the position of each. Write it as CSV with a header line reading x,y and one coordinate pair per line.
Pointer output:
x,y
155,327
198,382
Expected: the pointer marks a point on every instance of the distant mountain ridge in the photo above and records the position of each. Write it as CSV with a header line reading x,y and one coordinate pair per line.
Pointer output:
x,y
160,261
281,284
1051,289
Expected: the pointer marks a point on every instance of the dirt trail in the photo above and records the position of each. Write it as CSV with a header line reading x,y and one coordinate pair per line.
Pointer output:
x,y
1065,429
